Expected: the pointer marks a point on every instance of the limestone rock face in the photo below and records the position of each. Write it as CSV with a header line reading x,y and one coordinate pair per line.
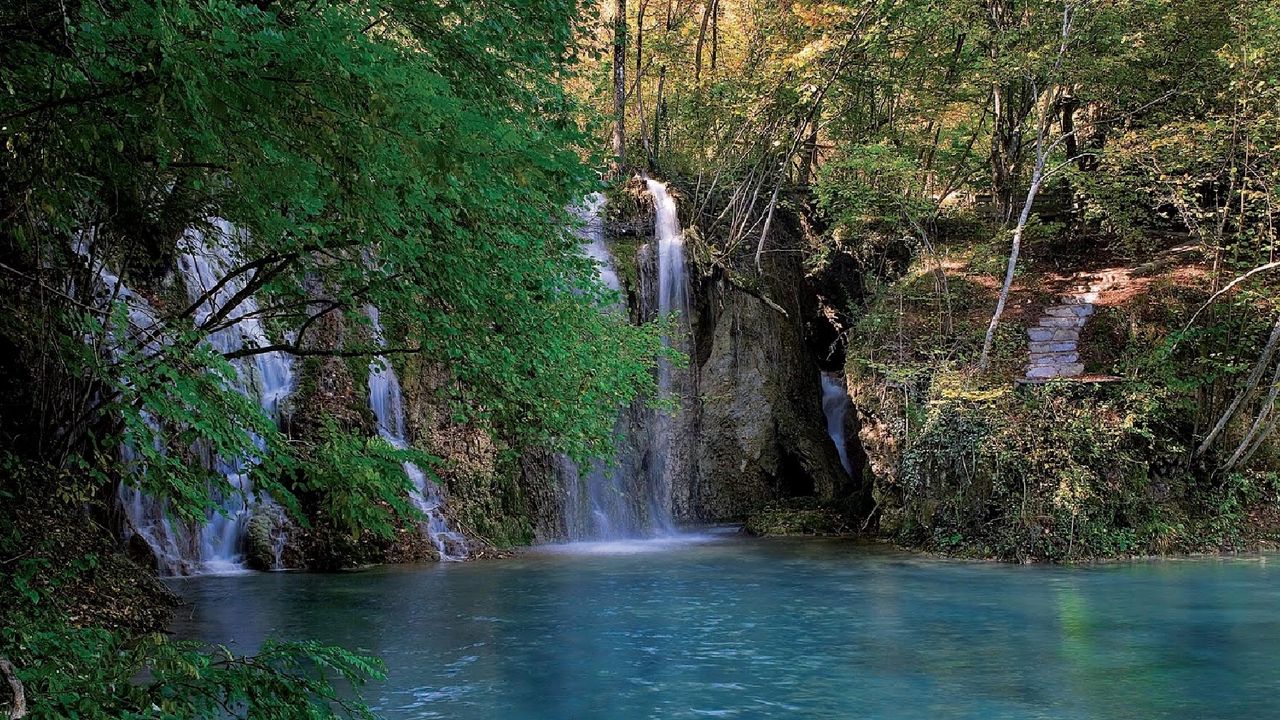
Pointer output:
x,y
881,432
761,433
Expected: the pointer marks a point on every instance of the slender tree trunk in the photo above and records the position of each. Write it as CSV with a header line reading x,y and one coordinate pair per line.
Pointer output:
x,y
639,80
1038,175
809,160
707,12
1014,251
659,113
1255,377
1069,129
640,38
620,82
715,32
1256,435
1012,101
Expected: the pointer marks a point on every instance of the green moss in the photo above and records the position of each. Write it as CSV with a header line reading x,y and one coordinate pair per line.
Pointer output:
x,y
625,250
798,516
259,544
493,506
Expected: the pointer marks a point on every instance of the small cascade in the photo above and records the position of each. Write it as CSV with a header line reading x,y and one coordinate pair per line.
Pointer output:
x,y
387,403
835,405
597,504
591,213
217,546
673,302
148,518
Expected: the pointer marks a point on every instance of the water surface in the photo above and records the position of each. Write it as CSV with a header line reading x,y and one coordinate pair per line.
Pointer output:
x,y
730,627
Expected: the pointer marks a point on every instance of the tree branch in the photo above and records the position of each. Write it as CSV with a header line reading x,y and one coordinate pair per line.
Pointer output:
x,y
1225,289
19,708
292,349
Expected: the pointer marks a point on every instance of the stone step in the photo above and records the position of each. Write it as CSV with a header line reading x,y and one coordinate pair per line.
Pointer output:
x,y
1042,373
1071,369
1051,347
1048,372
1080,298
1047,334
1061,322
1069,311
1063,358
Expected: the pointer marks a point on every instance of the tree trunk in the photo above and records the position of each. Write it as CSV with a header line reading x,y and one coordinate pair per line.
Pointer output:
x,y
659,111
1038,176
1069,129
715,32
1014,251
1012,101
639,80
702,36
18,708
1255,377
620,82
809,160
1257,435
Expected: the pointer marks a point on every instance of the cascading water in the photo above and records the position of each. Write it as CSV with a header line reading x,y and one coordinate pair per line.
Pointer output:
x,y
673,304
148,518
597,504
591,213
217,546
835,405
387,403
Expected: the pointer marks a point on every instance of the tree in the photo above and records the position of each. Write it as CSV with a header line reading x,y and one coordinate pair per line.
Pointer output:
x,y
418,157
1039,174
620,81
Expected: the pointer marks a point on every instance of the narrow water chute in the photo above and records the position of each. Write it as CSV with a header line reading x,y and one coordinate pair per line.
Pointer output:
x,y
387,402
835,406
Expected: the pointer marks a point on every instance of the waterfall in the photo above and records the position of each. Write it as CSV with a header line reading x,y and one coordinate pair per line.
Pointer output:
x,y
216,546
148,518
387,403
673,303
835,405
591,214
598,504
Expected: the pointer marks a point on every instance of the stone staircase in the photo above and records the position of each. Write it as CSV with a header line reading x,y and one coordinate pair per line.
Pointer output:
x,y
1055,340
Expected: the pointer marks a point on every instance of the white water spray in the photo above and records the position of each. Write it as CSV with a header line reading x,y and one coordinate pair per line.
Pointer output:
x,y
387,403
597,504
217,545
673,304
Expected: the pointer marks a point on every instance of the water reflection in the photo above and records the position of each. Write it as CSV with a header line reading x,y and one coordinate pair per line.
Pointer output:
x,y
733,627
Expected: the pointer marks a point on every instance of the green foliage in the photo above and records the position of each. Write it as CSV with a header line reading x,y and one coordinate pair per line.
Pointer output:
x,y
81,628
1054,473
418,157
90,673
172,403
870,188
358,484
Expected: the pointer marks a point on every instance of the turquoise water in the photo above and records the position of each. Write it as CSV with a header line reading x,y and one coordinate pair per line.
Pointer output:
x,y
729,627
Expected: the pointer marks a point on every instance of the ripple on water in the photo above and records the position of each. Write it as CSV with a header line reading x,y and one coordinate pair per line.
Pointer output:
x,y
718,626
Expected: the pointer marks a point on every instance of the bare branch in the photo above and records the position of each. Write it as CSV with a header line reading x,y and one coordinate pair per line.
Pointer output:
x,y
1227,288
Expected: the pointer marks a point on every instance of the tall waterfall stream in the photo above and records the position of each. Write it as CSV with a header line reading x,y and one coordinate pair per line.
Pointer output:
x,y
602,504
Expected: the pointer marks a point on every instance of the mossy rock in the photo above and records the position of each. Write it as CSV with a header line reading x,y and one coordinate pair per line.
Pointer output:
x,y
259,541
802,516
